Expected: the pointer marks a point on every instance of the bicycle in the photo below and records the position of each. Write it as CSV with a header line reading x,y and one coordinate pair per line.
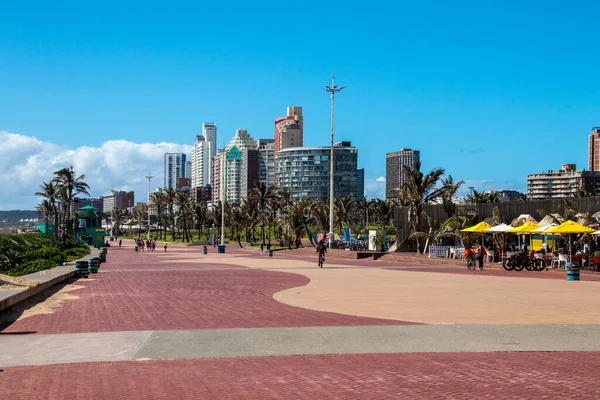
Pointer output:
x,y
470,261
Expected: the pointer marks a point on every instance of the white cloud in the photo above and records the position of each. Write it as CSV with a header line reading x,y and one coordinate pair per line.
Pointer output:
x,y
375,188
26,162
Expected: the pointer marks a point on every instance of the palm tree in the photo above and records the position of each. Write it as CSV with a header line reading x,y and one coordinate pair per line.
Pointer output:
x,y
201,218
45,208
182,200
70,186
320,211
385,212
263,195
420,189
49,192
343,208
170,196
159,202
483,197
450,188
249,208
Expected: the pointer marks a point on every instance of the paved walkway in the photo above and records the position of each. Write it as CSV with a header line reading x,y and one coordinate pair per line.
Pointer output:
x,y
242,325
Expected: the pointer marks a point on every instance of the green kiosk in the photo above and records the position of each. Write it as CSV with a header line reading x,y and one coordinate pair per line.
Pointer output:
x,y
89,226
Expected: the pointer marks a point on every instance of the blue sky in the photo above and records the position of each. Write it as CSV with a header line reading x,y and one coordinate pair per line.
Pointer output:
x,y
491,91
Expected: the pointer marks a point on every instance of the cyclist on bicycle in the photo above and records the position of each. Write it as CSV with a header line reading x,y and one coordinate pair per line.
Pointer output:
x,y
321,249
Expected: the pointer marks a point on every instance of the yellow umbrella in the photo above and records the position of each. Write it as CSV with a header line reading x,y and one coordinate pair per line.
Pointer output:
x,y
480,227
569,227
525,228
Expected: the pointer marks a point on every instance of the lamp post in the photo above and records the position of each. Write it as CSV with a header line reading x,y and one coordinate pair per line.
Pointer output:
x,y
331,89
223,186
149,177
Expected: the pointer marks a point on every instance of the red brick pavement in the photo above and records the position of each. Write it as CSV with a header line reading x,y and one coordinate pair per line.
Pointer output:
x,y
356,376
164,300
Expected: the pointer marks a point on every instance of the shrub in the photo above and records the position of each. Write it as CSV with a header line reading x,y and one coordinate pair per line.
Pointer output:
x,y
31,266
45,253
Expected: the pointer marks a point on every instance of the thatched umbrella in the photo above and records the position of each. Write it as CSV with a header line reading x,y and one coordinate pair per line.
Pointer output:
x,y
521,219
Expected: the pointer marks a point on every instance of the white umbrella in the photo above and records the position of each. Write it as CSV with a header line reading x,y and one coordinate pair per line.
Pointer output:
x,y
499,229
595,233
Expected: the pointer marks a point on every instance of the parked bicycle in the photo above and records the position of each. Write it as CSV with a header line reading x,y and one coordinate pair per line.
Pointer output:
x,y
523,260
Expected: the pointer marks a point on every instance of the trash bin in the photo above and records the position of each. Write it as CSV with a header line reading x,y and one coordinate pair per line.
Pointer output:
x,y
93,265
220,249
205,250
135,248
81,267
270,252
573,271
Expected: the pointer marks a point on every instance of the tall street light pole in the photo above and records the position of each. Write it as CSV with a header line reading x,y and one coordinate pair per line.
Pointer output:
x,y
223,196
149,177
331,89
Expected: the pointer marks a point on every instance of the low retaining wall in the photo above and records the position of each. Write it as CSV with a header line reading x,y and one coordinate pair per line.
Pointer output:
x,y
48,278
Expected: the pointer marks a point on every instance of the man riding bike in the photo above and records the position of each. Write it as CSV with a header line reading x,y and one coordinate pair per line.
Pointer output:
x,y
321,249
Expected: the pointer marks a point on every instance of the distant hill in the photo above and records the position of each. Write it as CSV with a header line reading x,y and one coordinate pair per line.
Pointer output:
x,y
17,215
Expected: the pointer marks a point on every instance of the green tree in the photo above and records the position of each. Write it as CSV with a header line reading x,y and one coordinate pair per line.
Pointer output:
x,y
419,189
69,186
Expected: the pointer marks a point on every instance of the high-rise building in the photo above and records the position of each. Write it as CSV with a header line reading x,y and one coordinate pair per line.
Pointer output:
x,y
200,171
188,170
266,161
565,182
118,200
289,130
360,184
305,171
394,169
209,131
174,168
594,150
217,183
203,152
237,168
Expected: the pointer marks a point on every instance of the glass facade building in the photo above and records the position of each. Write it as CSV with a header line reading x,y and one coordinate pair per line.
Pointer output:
x,y
305,171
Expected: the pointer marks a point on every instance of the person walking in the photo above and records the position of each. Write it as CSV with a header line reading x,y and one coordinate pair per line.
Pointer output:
x,y
480,252
321,249
165,246
120,242
261,248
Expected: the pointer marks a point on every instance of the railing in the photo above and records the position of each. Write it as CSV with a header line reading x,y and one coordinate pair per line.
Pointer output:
x,y
445,251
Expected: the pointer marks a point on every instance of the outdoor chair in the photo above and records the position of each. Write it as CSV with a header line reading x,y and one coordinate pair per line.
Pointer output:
x,y
490,256
562,259
596,263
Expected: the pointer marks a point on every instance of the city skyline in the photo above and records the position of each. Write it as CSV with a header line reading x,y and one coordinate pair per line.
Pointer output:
x,y
470,90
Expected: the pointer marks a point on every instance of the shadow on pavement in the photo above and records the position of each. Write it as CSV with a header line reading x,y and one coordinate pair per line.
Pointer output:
x,y
14,312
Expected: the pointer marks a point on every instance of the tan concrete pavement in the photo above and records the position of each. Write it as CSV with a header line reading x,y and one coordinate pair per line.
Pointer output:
x,y
428,297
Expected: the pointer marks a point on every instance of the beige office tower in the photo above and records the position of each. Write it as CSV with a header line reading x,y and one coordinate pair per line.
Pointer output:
x,y
594,150
289,130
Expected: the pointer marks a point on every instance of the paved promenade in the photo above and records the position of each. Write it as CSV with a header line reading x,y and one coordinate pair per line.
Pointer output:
x,y
241,325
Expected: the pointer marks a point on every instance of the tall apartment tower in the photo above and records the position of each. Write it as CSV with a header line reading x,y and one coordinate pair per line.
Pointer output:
x,y
289,130
203,152
235,168
266,161
594,150
394,167
174,169
209,131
